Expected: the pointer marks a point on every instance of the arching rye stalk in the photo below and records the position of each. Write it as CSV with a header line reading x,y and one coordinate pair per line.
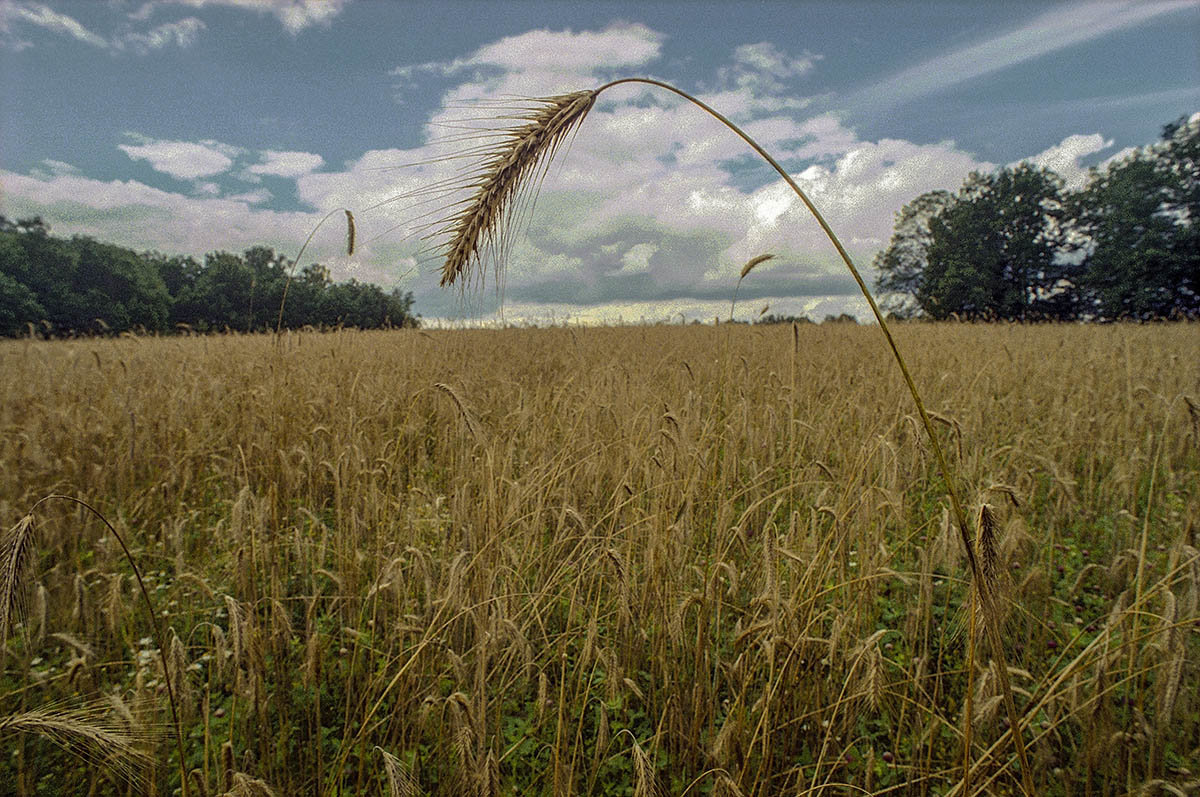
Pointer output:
x,y
479,227
751,264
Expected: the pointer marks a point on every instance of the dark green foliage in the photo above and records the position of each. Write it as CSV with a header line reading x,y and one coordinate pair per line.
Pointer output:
x,y
902,264
17,305
1014,244
1139,222
83,286
987,252
992,251
772,318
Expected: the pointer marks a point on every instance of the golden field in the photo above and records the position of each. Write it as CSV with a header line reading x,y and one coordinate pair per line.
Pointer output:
x,y
603,561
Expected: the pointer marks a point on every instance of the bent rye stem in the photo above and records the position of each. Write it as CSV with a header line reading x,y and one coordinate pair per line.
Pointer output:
x,y
504,171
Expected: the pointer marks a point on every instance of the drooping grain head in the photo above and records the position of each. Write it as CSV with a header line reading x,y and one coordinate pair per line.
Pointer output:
x,y
91,732
752,262
504,171
645,784
401,782
16,562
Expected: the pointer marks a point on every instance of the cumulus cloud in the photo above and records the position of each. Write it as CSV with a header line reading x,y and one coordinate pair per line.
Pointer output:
x,y
183,160
286,164
622,45
542,62
1064,158
144,217
636,259
650,212
294,15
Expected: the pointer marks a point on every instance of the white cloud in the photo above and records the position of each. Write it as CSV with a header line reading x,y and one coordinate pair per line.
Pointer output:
x,y
183,160
45,17
53,168
137,215
636,259
181,33
1057,29
294,15
623,45
255,197
647,214
766,58
287,164
538,63
1117,157
1063,158
760,75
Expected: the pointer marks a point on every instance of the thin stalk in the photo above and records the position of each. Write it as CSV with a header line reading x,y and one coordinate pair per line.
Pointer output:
x,y
350,235
985,598
1141,568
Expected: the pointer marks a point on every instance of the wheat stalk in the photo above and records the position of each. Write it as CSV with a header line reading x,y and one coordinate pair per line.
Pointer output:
x,y
401,782
501,176
88,731
16,560
350,249
746,269
463,410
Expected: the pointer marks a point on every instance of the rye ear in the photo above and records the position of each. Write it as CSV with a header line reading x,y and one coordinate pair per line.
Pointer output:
x,y
503,171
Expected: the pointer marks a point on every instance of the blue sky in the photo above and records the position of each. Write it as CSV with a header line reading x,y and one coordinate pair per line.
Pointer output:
x,y
188,126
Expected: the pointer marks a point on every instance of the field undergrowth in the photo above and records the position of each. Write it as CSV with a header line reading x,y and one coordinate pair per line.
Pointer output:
x,y
613,561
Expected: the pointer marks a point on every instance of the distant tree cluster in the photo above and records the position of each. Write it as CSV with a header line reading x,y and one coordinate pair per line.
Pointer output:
x,y
1015,244
81,286
774,318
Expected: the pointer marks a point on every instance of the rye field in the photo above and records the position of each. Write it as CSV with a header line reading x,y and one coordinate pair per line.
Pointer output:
x,y
606,561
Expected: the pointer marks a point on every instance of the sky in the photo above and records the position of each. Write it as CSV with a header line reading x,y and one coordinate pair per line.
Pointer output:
x,y
192,126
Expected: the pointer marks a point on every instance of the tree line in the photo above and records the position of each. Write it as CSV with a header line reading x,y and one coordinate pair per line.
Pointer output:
x,y
57,286
1016,244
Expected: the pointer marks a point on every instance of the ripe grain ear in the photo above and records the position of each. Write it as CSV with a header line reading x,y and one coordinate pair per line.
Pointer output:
x,y
504,171
16,560
401,782
645,784
746,269
988,546
463,409
350,232
91,732
751,263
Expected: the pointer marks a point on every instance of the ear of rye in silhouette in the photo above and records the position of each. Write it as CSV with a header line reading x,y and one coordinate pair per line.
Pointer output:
x,y
751,264
500,181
